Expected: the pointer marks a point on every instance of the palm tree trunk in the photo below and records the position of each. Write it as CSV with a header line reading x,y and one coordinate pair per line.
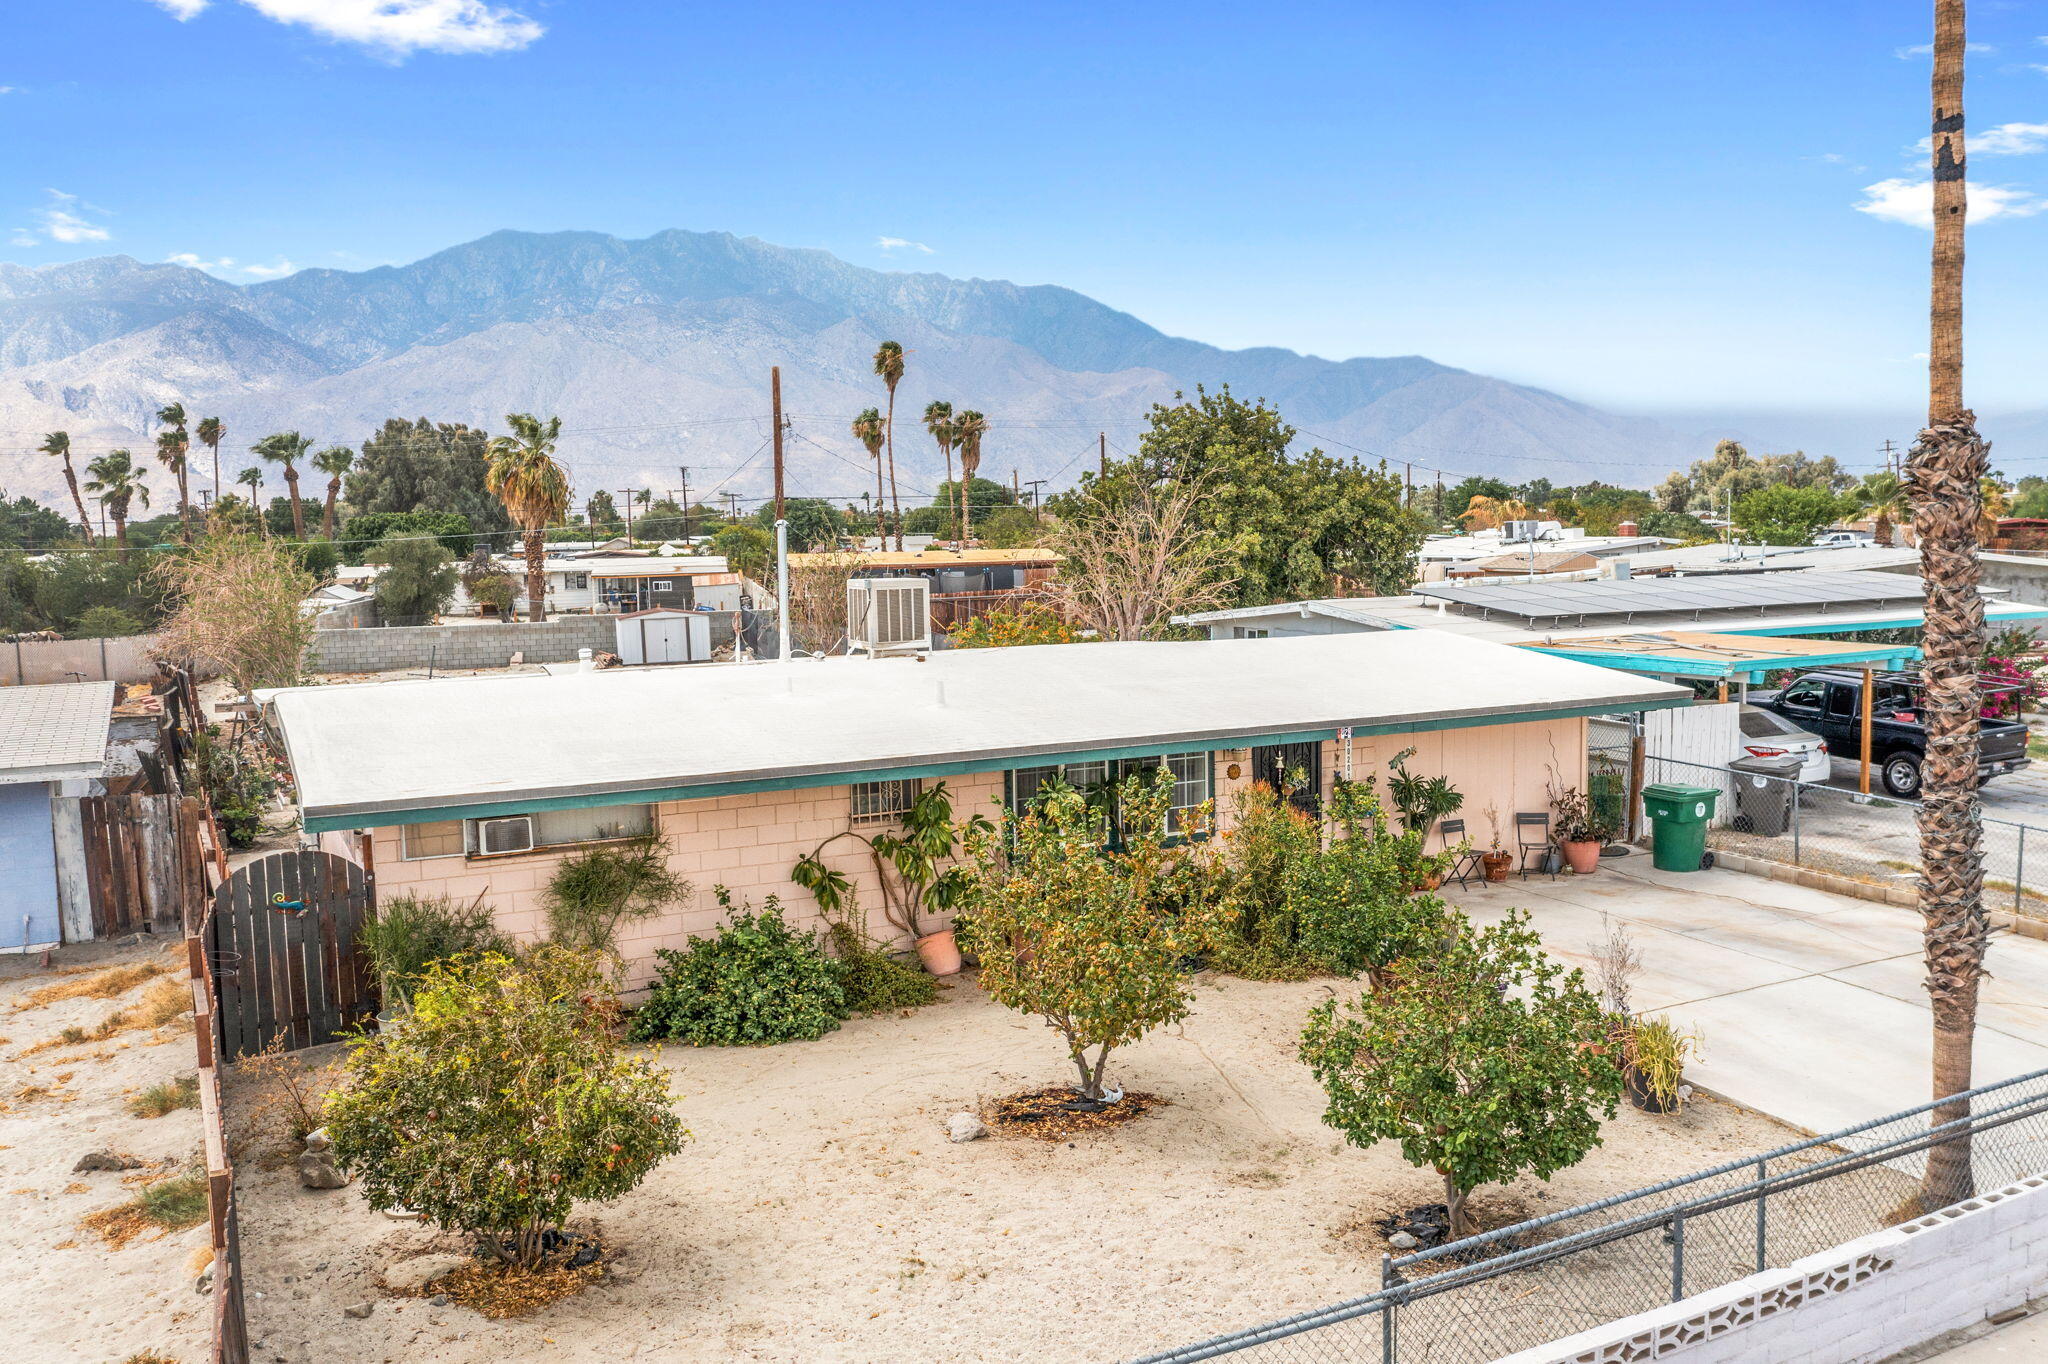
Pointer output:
x,y
536,576
1945,470
291,478
947,451
77,500
895,502
184,506
119,512
327,516
881,507
215,447
1881,534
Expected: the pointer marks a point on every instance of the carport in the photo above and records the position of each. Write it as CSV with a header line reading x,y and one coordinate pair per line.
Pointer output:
x,y
1741,659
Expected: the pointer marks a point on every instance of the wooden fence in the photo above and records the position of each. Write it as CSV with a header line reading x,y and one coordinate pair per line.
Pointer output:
x,y
125,863
201,848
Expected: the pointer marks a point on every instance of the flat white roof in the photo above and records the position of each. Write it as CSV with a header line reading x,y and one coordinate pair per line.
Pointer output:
x,y
55,732
410,751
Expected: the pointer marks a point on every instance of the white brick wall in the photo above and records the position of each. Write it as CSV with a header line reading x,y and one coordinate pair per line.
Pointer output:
x,y
1859,1302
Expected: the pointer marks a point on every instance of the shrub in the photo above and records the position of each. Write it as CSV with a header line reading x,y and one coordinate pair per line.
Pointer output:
x,y
757,982
407,934
177,1202
1028,622
596,891
874,980
502,1103
418,580
105,622
166,1096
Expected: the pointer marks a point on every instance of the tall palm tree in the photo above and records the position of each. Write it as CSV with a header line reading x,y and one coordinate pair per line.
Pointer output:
x,y
117,483
287,448
252,479
938,419
889,368
1944,473
171,448
211,432
870,430
524,474
334,462
58,443
969,427
1882,496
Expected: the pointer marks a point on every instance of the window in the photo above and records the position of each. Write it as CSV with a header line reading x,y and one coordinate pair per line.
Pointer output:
x,y
1804,694
878,802
1244,632
1191,781
442,838
661,585
562,828
575,582
1841,701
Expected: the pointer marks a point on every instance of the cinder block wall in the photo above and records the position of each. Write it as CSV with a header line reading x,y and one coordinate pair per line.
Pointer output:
x,y
1862,1301
457,646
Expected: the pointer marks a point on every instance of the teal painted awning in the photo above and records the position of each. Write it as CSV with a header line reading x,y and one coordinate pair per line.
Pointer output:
x,y
1723,656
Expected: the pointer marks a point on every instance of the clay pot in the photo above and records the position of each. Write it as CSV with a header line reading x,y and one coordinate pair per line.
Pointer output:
x,y
1496,865
1583,856
939,953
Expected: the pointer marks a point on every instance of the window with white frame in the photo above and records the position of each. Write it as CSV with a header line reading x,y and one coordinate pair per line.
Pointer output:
x,y
879,802
503,834
661,585
575,582
1192,784
1246,632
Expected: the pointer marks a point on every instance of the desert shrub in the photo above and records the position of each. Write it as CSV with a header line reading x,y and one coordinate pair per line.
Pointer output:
x,y
504,1102
756,982
166,1096
106,622
177,1202
407,934
289,1093
875,980
594,893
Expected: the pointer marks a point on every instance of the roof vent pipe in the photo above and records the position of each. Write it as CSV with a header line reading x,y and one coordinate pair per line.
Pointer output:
x,y
584,662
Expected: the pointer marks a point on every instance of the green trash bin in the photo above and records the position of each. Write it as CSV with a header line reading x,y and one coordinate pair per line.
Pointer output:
x,y
1678,825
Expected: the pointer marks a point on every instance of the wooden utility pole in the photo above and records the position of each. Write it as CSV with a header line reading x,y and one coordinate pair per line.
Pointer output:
x,y
1037,507
1102,451
627,494
732,512
684,470
775,400
1890,451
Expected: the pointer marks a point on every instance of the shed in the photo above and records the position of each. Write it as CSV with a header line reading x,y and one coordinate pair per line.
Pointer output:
x,y
49,735
664,635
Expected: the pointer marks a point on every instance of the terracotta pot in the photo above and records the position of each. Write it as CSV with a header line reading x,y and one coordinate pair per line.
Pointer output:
x,y
1496,865
1432,881
939,953
1583,856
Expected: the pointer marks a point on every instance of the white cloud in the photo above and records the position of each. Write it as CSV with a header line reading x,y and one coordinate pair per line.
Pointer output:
x,y
2007,139
63,219
1912,202
395,28
903,244
186,258
182,10
10,89
22,237
1907,54
282,268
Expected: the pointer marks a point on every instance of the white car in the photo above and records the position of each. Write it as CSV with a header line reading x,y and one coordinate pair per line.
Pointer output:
x,y
1843,539
1769,735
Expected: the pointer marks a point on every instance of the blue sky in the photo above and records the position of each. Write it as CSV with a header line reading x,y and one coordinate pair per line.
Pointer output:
x,y
1643,205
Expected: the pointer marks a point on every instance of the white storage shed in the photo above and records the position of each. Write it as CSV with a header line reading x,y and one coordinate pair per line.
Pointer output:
x,y
664,635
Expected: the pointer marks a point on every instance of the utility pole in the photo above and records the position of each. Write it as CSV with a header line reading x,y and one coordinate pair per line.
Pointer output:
x,y
775,400
732,513
1890,451
684,470
1102,451
1037,512
1407,484
626,493
1016,488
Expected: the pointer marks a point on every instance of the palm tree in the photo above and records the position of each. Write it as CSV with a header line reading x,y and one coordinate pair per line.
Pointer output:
x,y
1882,496
252,478
287,448
171,447
869,430
938,419
116,482
889,368
1944,473
211,432
969,427
534,487
334,461
58,443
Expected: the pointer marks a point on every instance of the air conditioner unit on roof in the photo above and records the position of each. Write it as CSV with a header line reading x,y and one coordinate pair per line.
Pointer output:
x,y
888,616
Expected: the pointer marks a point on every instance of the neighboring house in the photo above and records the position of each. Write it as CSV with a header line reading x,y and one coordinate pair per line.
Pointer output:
x,y
481,786
1528,563
339,607
53,742
602,584
1441,553
965,582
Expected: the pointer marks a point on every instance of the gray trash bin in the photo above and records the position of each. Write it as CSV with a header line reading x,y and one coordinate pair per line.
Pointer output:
x,y
1763,794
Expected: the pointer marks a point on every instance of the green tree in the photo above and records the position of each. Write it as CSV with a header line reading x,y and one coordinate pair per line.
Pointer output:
x,y
1689,530
1460,494
418,581
172,445
115,481
287,448
27,524
970,429
334,462
252,479
889,369
503,1102
748,549
1785,515
362,533
1712,484
873,433
1027,622
1087,936
813,524
211,432
57,445
525,475
938,421
1881,496
1010,528
1484,1059
603,515
106,622
426,466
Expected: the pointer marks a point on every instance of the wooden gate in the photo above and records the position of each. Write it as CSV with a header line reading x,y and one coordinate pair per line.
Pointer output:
x,y
286,961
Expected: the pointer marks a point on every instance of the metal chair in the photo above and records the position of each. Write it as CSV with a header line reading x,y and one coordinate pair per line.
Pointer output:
x,y
1538,820
1465,864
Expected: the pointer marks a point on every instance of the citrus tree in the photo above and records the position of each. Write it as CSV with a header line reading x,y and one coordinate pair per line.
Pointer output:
x,y
503,1102
1484,1059
1082,911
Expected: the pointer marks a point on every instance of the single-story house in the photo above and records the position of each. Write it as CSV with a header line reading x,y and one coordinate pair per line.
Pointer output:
x,y
53,741
481,786
1525,564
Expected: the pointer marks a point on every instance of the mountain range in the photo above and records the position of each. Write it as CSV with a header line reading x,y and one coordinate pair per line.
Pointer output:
x,y
656,355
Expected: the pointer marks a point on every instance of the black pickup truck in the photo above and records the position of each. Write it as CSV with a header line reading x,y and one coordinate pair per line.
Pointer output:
x,y
1829,702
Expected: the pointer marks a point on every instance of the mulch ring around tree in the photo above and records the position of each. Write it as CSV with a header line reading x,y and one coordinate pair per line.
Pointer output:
x,y
574,1261
1430,1226
1059,1113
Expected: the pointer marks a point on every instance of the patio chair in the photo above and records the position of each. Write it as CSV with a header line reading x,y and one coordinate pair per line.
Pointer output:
x,y
1464,866
1538,822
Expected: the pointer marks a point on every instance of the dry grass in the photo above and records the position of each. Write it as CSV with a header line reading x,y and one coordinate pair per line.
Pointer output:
x,y
148,1357
167,1096
103,984
171,1204
500,1291
1056,1114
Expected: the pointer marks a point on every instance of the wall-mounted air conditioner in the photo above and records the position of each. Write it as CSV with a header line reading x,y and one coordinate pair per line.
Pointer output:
x,y
888,615
509,835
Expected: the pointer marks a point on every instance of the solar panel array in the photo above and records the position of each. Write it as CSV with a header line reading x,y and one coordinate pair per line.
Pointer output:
x,y
1643,596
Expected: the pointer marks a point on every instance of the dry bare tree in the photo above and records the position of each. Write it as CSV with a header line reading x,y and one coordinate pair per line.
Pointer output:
x,y
237,610
1944,471
1131,563
817,600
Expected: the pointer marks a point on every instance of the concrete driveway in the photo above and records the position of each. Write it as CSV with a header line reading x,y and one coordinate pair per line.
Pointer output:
x,y
1809,1004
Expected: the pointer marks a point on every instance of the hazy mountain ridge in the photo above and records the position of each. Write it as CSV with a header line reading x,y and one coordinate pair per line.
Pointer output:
x,y
655,352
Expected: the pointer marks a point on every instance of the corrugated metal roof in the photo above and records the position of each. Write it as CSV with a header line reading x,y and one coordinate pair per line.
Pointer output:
x,y
54,733
1630,597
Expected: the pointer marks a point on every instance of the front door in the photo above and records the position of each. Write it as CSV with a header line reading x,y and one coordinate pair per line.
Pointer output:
x,y
1294,770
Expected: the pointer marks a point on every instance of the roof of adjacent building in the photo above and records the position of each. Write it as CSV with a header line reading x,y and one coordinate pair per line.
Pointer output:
x,y
1487,543
410,752
1542,561
56,732
1719,558
935,557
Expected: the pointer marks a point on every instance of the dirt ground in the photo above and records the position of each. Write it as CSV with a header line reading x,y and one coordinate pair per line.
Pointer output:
x,y
68,1298
821,1214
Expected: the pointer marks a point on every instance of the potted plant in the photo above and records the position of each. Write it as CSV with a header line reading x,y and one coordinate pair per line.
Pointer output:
x,y
1422,801
1496,861
1653,1055
1579,830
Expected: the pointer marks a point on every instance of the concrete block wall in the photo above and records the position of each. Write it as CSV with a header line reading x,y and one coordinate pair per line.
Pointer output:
x,y
1860,1302
457,646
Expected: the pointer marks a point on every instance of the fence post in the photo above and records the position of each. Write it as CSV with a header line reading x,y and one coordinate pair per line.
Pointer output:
x,y
1389,1342
2019,871
1763,1213
1798,789
1678,1257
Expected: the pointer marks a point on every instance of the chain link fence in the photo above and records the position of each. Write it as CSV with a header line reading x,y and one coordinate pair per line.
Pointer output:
x,y
1491,1295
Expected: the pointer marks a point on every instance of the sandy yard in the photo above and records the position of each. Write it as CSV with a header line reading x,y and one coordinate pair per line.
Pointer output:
x,y
68,1297
820,1214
